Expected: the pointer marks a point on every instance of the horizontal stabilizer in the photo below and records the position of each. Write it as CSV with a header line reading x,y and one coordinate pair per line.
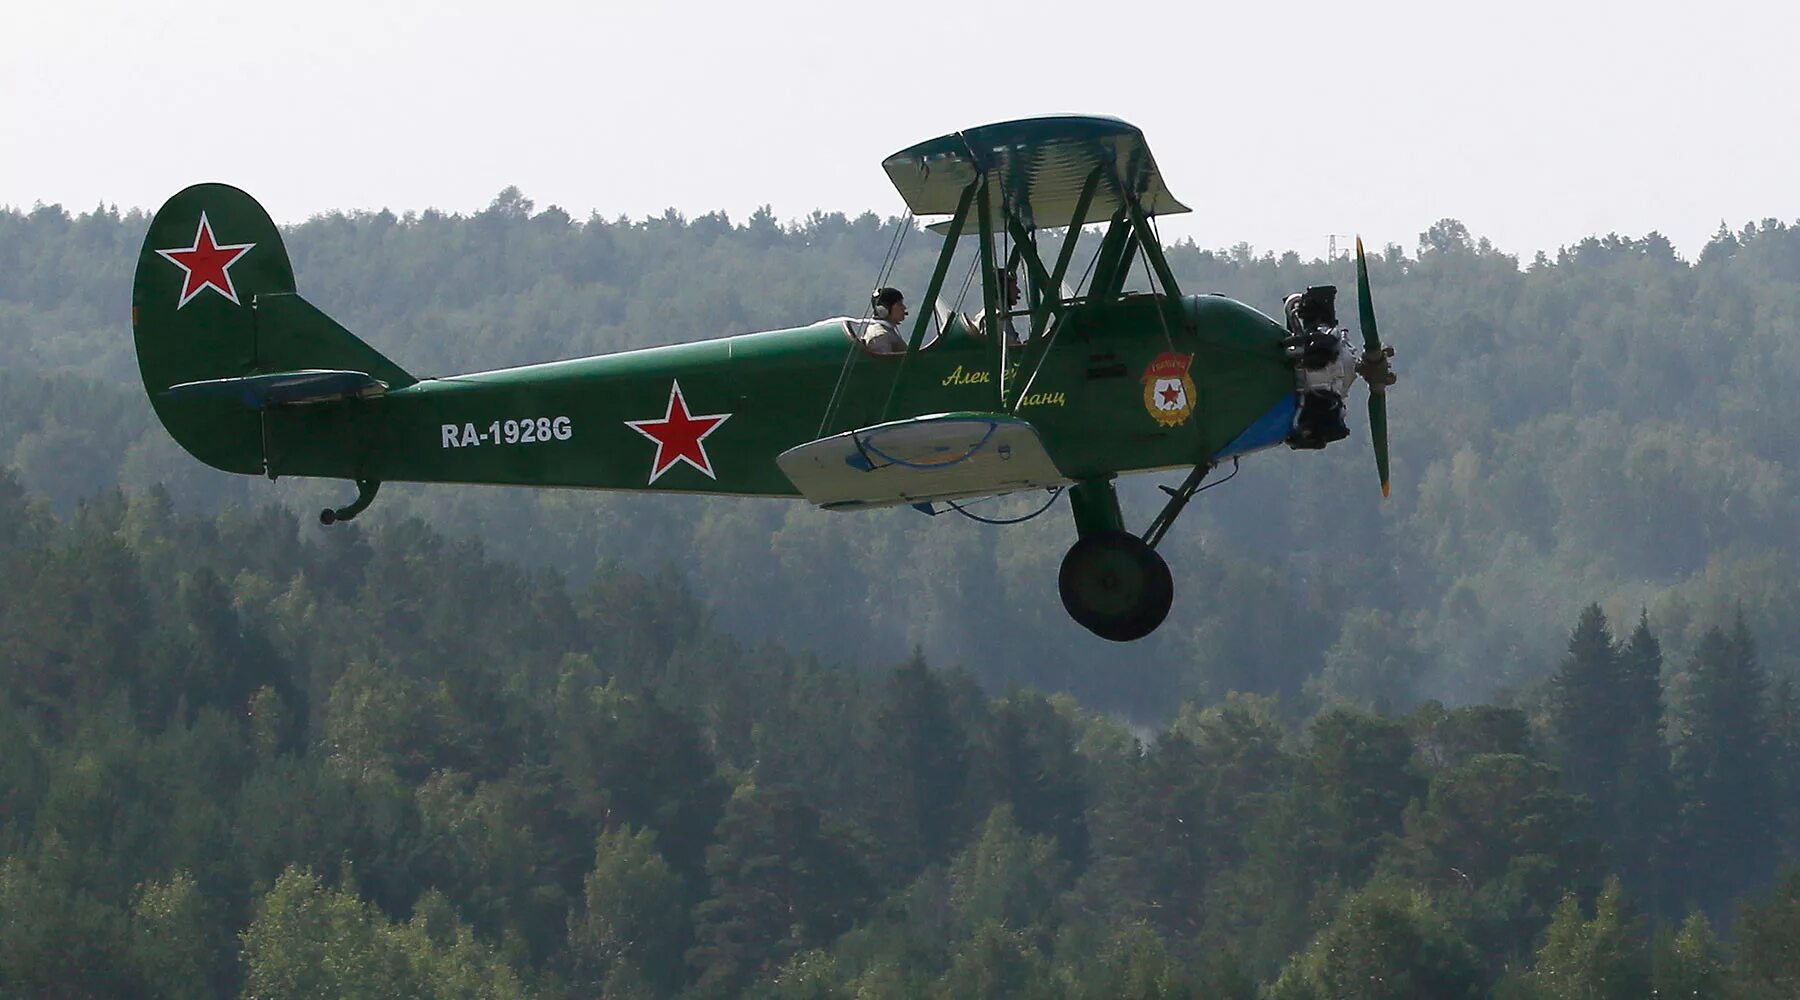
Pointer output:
x,y
942,457
260,392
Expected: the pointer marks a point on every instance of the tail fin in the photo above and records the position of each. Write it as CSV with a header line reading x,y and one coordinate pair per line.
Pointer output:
x,y
214,300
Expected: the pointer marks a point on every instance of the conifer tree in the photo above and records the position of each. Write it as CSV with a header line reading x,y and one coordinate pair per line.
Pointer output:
x,y
1032,764
1187,810
921,758
1645,806
628,758
56,940
1151,857
1359,777
1784,725
782,882
1589,720
1497,836
1722,769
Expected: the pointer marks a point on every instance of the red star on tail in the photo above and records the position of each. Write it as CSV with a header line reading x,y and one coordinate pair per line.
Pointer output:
x,y
207,264
678,435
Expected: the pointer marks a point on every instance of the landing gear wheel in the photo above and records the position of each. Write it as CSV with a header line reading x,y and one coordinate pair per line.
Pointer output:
x,y
1116,586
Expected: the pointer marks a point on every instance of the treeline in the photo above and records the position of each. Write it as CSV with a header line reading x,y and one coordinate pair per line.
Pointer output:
x,y
239,759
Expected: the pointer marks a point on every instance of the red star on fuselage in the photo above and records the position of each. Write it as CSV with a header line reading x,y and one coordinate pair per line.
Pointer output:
x,y
1171,395
678,435
206,263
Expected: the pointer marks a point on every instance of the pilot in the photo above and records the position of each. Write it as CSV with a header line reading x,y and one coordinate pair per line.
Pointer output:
x,y
882,334
1010,283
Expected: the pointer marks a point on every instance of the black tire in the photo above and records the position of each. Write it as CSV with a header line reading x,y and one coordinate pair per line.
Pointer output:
x,y
1115,586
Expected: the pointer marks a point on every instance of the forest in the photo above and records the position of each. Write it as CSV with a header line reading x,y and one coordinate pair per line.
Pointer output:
x,y
1527,729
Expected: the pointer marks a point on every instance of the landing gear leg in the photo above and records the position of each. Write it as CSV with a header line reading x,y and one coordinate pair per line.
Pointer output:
x,y
365,495
1112,583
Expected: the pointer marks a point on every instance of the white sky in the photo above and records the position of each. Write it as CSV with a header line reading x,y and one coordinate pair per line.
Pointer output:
x,y
1535,123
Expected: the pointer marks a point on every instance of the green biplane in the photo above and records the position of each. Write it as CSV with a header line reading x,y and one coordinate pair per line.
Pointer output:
x,y
1075,386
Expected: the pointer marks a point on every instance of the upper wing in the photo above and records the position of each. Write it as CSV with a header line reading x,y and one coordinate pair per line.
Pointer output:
x,y
1041,165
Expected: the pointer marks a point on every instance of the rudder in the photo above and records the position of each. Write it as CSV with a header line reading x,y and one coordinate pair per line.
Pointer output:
x,y
214,298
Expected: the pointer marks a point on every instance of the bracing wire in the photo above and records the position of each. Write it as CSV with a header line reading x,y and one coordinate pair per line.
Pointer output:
x,y
892,258
1055,491
889,261
1086,272
1150,280
968,282
838,389
1056,328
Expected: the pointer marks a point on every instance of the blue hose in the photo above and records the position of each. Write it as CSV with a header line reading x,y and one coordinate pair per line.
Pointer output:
x,y
867,447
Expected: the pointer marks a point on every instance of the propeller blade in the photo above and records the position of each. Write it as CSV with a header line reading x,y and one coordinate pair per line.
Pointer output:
x,y
1372,349
1365,306
1378,434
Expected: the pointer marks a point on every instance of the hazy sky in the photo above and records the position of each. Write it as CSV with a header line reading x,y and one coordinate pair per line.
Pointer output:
x,y
1535,123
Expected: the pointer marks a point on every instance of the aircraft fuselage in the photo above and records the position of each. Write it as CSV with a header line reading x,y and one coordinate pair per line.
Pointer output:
x,y
711,416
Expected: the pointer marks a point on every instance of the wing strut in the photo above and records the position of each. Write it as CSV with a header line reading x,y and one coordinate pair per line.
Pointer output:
x,y
1039,323
1115,249
1152,249
990,292
1179,497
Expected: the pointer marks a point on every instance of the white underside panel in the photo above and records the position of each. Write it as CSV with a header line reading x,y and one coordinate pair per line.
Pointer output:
x,y
944,457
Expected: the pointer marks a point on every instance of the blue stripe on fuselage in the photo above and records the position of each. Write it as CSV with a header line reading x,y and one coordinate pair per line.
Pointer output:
x,y
1269,430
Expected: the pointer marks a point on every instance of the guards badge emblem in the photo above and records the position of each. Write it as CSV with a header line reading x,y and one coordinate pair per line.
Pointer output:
x,y
1168,391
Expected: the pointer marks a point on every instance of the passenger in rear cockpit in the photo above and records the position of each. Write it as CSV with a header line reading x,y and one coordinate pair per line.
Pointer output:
x,y
1009,287
882,334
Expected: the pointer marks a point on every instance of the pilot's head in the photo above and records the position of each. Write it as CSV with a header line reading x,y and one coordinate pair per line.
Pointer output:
x,y
888,304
